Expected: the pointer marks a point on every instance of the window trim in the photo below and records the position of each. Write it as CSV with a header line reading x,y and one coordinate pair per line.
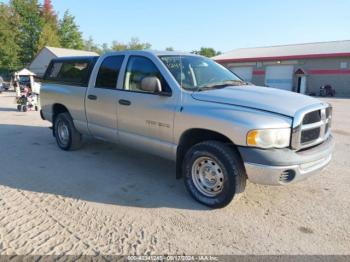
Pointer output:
x,y
118,75
167,93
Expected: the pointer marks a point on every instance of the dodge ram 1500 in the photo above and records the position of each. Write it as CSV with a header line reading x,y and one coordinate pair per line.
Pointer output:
x,y
219,129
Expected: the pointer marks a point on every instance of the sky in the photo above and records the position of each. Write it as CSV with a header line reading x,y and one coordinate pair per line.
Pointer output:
x,y
225,25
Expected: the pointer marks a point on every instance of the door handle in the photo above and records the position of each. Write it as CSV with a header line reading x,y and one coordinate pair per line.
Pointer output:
x,y
92,97
124,102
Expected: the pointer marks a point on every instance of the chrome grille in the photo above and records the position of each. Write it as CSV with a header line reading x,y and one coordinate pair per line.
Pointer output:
x,y
311,126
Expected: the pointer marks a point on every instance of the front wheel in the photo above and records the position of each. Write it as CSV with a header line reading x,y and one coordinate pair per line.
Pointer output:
x,y
67,137
214,173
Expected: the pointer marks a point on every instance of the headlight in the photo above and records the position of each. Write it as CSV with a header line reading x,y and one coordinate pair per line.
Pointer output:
x,y
269,138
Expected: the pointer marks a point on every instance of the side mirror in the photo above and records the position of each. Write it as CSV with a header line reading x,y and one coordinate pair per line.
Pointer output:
x,y
151,84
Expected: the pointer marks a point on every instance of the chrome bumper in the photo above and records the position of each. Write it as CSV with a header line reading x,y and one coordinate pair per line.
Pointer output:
x,y
283,175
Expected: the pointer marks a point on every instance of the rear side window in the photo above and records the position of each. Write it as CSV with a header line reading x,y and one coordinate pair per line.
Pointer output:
x,y
107,76
71,72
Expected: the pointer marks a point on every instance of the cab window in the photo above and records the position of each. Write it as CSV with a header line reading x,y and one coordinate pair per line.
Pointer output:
x,y
107,76
138,68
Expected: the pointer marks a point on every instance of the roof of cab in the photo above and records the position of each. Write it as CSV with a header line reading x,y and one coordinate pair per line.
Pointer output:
x,y
154,52
126,52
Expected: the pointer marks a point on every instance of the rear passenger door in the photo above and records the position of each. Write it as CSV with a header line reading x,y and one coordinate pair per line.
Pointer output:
x,y
102,98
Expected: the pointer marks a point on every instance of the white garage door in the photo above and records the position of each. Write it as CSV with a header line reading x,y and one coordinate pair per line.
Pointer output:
x,y
280,77
246,73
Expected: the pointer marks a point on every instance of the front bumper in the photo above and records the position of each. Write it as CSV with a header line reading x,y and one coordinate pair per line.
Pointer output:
x,y
285,166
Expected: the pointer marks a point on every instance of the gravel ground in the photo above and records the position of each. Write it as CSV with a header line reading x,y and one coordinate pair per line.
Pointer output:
x,y
109,200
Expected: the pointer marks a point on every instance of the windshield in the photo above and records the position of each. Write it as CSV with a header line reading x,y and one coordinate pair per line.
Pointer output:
x,y
198,73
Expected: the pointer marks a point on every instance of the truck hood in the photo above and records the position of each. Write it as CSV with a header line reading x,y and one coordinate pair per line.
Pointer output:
x,y
256,97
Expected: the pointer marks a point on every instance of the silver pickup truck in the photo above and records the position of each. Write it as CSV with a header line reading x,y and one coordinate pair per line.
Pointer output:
x,y
219,129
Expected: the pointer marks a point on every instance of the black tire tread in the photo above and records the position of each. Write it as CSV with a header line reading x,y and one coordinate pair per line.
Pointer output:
x,y
75,137
230,156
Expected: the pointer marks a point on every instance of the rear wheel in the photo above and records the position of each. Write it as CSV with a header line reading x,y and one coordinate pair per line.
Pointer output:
x,y
214,173
67,137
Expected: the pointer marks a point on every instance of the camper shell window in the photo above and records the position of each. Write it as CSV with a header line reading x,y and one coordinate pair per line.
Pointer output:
x,y
70,71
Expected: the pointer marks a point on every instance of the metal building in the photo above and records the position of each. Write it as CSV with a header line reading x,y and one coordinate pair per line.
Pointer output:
x,y
302,68
43,58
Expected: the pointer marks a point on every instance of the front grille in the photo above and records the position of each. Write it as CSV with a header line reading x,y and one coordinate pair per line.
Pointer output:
x,y
312,117
313,127
310,135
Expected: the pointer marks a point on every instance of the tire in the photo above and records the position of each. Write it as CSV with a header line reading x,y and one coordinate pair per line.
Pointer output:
x,y
224,168
19,108
24,108
67,137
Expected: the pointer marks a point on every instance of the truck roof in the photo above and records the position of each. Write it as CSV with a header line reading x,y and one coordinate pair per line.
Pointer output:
x,y
126,52
154,52
158,53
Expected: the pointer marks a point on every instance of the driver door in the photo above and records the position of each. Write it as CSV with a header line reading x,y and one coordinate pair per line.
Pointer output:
x,y
145,119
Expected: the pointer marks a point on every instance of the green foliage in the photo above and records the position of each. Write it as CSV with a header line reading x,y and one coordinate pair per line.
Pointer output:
x,y
48,37
134,44
206,51
104,48
117,46
29,25
90,45
9,33
69,34
26,27
49,33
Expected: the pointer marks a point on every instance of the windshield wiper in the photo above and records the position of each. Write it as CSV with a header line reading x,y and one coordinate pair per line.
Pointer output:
x,y
222,85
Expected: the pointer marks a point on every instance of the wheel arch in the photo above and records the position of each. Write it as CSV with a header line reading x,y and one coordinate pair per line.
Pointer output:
x,y
194,136
58,108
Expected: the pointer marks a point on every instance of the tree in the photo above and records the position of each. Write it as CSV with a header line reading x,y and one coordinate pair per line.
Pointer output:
x,y
90,45
134,44
117,46
29,26
105,48
206,51
169,48
70,36
49,35
48,8
9,49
